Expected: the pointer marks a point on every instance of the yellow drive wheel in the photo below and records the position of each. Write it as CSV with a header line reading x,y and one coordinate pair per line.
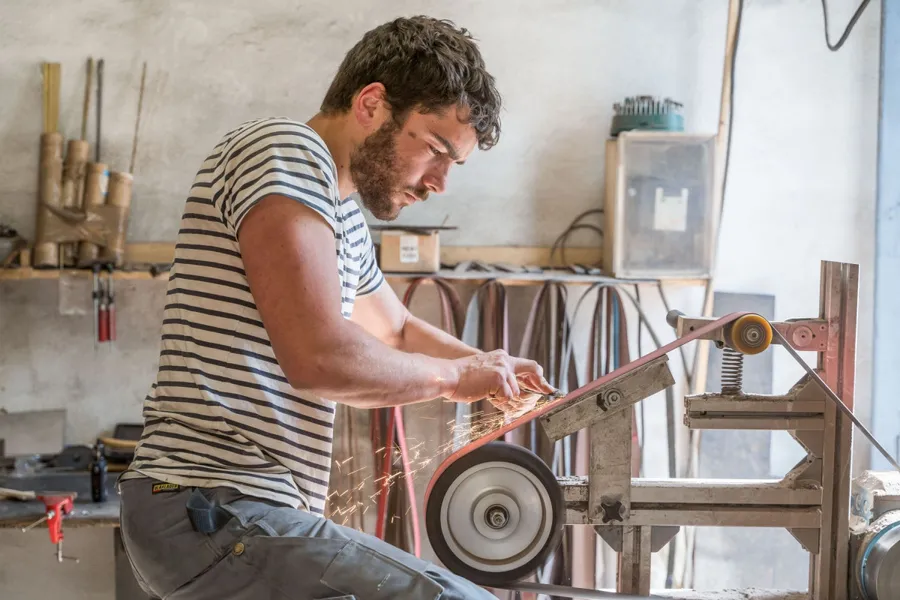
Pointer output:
x,y
750,334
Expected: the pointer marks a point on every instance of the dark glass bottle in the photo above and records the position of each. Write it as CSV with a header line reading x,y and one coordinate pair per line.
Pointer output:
x,y
98,473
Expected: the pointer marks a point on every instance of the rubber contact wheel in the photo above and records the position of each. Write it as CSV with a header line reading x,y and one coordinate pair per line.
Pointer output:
x,y
750,334
495,514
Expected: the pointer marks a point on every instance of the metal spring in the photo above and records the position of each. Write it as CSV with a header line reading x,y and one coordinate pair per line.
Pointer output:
x,y
732,371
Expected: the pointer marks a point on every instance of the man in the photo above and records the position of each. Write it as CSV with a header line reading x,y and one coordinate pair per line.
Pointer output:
x,y
277,309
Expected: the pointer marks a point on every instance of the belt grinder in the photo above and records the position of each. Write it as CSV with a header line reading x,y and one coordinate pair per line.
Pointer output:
x,y
495,511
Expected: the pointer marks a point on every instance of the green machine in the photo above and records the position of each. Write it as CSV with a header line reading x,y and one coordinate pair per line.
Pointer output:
x,y
647,113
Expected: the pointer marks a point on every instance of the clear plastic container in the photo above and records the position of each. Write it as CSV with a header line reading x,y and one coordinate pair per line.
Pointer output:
x,y
663,210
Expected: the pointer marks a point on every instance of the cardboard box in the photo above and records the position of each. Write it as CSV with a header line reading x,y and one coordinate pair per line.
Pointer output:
x,y
414,250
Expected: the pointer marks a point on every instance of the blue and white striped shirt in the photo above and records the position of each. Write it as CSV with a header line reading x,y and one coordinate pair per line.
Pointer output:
x,y
221,411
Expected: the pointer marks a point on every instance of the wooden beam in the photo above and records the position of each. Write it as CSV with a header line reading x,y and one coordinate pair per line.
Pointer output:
x,y
160,253
634,563
726,516
153,253
164,252
708,516
749,403
47,274
732,422
760,492
519,255
609,493
17,494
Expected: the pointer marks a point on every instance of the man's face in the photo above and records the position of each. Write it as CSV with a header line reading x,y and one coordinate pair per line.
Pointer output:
x,y
396,166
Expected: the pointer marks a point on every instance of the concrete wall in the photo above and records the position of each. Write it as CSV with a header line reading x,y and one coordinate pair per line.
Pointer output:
x,y
803,161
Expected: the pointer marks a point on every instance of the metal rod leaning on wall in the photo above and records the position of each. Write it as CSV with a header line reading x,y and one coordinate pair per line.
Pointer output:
x,y
96,181
99,109
119,195
75,168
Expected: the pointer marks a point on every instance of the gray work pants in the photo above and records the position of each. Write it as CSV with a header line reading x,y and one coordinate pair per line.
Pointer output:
x,y
267,551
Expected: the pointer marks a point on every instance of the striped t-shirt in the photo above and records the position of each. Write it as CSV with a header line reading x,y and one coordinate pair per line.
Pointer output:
x,y
221,411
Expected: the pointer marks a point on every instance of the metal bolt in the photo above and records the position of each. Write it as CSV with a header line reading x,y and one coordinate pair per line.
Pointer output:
x,y
496,517
802,336
752,335
608,399
613,397
612,510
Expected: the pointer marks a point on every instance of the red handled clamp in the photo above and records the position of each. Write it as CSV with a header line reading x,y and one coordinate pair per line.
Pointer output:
x,y
57,507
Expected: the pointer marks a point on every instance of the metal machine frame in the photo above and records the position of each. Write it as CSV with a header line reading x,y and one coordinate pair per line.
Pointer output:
x,y
637,517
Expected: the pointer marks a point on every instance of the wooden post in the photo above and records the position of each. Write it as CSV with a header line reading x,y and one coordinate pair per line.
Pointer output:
x,y
634,562
609,496
838,305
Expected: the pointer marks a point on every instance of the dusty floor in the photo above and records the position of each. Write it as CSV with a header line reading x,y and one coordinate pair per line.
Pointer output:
x,y
742,594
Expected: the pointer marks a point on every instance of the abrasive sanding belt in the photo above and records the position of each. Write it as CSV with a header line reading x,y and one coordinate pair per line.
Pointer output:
x,y
546,335
493,328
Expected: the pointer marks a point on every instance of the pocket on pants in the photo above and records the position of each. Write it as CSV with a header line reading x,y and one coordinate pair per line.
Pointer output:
x,y
363,572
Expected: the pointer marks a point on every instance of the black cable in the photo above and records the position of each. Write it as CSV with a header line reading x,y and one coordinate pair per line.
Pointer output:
x,y
859,12
573,226
737,39
833,47
586,213
561,240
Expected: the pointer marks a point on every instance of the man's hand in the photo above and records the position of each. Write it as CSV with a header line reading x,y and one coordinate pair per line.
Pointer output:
x,y
496,375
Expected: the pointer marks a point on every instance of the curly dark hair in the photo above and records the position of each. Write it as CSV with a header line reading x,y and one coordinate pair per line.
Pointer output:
x,y
425,64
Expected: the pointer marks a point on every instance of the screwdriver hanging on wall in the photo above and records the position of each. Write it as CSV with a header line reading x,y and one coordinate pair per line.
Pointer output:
x,y
95,296
110,305
103,312
104,297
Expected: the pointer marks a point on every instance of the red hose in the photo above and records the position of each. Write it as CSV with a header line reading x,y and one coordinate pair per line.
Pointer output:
x,y
385,474
395,420
395,426
410,488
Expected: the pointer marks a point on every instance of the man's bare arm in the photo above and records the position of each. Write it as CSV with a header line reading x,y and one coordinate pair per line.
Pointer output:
x,y
383,315
290,262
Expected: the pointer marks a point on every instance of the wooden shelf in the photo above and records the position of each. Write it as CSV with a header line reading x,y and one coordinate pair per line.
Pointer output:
x,y
27,273
164,252
567,277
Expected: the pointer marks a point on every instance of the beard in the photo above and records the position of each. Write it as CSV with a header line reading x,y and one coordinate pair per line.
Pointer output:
x,y
376,170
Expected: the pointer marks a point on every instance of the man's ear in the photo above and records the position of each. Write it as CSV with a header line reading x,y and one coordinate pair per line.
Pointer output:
x,y
370,107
